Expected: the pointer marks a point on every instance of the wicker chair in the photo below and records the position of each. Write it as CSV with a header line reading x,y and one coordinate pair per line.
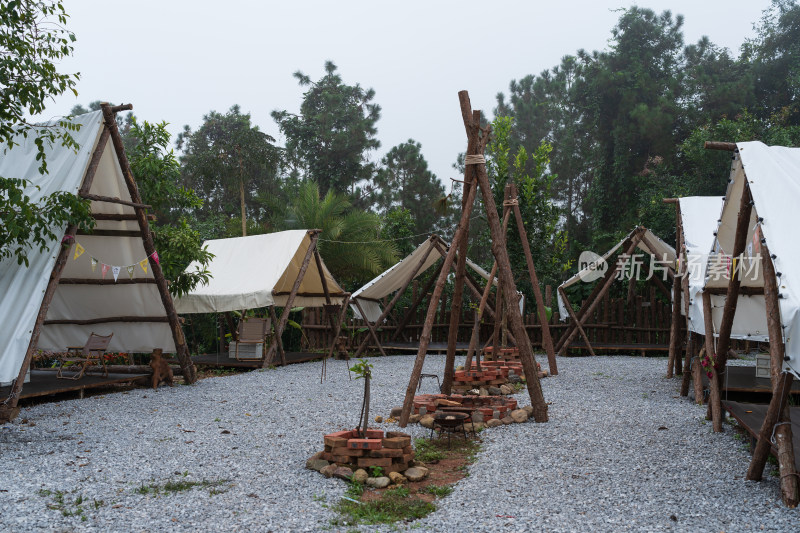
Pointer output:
x,y
91,354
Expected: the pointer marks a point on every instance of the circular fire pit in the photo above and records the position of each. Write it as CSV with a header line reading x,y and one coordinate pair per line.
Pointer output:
x,y
450,423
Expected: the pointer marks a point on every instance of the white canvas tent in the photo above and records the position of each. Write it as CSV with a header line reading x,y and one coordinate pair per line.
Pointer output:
x,y
68,290
393,279
649,243
773,176
259,271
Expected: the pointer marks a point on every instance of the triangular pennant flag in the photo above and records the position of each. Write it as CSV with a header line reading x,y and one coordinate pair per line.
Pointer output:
x,y
94,264
78,251
130,271
115,270
155,257
143,263
104,268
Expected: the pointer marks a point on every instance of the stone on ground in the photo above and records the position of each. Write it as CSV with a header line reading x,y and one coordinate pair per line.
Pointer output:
x,y
360,476
416,473
378,482
519,415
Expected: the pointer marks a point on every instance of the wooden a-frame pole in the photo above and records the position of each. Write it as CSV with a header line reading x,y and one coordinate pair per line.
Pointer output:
x,y
675,327
287,308
575,320
372,331
415,304
182,351
547,339
336,331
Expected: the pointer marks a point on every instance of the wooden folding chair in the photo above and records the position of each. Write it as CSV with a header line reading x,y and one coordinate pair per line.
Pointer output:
x,y
253,331
91,353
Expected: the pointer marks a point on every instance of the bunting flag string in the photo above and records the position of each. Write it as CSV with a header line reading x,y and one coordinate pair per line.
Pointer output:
x,y
114,269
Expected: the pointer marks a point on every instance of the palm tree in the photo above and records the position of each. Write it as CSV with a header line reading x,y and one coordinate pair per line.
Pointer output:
x,y
349,242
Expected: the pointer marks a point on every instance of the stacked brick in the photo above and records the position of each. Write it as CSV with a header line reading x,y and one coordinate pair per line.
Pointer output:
x,y
489,406
392,451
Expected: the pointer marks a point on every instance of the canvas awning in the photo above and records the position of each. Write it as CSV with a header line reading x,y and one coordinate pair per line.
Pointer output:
x,y
773,176
22,287
650,244
393,278
259,271
699,218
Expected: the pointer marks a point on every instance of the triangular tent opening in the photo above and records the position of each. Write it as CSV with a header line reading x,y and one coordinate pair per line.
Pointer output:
x,y
62,296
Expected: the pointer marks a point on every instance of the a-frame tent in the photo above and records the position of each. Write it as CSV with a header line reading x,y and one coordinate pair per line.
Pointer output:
x,y
366,301
106,281
749,288
641,238
273,269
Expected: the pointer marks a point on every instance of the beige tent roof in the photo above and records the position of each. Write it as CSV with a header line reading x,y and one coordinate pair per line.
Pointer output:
x,y
259,271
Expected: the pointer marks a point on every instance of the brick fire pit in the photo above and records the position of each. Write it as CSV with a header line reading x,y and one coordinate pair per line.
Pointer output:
x,y
392,451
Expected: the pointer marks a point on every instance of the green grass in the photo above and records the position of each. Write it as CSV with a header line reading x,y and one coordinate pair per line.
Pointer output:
x,y
427,451
439,492
181,485
394,506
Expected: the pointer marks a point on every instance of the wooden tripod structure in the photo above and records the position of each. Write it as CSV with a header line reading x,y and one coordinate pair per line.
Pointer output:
x,y
477,178
110,132
777,422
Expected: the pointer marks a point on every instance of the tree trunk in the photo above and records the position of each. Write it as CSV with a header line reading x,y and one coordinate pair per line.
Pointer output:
x,y
241,205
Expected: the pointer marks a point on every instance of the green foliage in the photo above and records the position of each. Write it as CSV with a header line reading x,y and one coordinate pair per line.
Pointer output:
x,y
427,451
362,369
233,166
404,182
376,471
158,176
398,225
329,141
349,242
394,505
33,40
438,491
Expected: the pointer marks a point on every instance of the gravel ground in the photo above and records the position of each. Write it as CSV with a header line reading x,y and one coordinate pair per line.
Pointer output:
x,y
621,452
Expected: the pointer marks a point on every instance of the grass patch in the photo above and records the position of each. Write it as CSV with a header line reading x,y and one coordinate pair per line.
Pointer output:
x,y
181,485
439,492
428,451
395,505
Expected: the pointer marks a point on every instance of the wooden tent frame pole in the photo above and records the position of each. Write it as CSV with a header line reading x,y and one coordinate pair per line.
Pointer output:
x,y
8,408
777,420
675,326
608,280
500,252
393,302
714,404
336,331
476,328
182,351
576,320
287,308
278,340
470,190
458,293
562,341
372,331
547,339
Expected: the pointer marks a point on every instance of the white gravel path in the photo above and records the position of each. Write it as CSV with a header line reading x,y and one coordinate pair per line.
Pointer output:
x,y
600,464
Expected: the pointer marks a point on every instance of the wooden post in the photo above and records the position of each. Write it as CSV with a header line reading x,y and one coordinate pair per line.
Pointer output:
x,y
371,329
281,325
777,421
337,330
547,340
474,339
388,308
714,399
675,326
182,352
470,189
575,319
278,340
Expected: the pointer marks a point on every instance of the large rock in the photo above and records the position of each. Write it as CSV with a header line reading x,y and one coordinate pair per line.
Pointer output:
x,y
519,415
493,423
416,473
494,391
413,419
397,478
507,420
513,378
343,473
396,412
477,416
360,476
529,410
426,422
316,464
473,427
329,470
505,389
378,482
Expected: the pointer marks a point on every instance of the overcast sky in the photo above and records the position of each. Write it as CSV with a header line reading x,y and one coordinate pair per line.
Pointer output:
x,y
175,60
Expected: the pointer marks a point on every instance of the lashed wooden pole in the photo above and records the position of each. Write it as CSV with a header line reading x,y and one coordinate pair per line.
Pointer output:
x,y
547,339
675,328
714,404
182,351
500,252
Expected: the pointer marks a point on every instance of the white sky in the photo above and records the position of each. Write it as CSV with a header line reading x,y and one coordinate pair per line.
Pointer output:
x,y
176,60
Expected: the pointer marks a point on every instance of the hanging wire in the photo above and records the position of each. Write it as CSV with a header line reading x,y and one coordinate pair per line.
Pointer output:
x,y
426,234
